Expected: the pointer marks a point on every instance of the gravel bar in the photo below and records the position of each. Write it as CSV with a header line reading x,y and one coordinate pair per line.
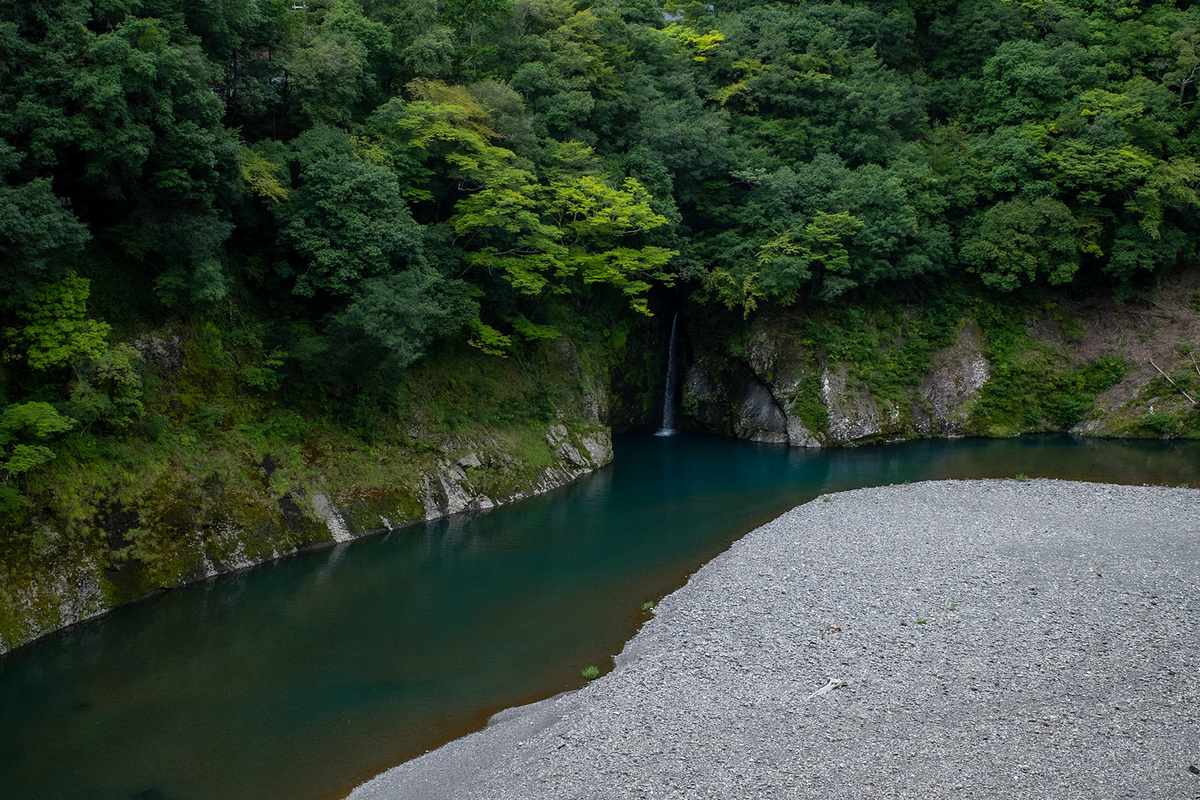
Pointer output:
x,y
991,639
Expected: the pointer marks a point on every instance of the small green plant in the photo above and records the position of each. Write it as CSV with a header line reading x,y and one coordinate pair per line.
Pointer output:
x,y
590,673
922,621
1160,422
648,605
1021,477
808,405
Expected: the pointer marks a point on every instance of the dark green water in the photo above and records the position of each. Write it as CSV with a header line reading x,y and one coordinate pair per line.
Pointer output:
x,y
299,679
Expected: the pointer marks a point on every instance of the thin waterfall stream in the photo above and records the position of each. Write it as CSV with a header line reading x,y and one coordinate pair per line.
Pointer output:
x,y
671,385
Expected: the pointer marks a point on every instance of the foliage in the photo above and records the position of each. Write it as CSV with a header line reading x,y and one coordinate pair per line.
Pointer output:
x,y
38,232
347,221
392,320
56,330
515,160
1018,241
24,430
109,389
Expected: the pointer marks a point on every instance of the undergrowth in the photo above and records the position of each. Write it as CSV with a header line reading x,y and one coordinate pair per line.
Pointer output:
x,y
1033,386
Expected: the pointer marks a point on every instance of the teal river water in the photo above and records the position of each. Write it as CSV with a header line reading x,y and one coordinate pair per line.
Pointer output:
x,y
301,678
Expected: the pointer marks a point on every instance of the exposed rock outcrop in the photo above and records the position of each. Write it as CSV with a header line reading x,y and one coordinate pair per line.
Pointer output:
x,y
1094,367
854,414
704,399
740,406
955,382
785,393
759,417
474,477
163,351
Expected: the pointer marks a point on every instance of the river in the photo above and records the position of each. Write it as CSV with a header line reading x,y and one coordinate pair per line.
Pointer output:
x,y
301,678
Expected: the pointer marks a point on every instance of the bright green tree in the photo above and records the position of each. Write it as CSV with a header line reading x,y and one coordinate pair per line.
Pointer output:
x,y
57,331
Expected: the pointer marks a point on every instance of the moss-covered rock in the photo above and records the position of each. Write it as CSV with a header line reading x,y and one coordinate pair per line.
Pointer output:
x,y
107,527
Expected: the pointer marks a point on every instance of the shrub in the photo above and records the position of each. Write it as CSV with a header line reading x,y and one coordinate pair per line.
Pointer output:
x,y
1160,422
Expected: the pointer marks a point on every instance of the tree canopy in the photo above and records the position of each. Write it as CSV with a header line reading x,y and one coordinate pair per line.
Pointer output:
x,y
357,181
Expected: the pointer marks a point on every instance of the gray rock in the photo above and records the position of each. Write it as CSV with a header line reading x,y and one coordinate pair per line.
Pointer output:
x,y
798,434
759,417
853,413
782,364
703,398
559,438
332,516
598,446
451,489
953,384
164,352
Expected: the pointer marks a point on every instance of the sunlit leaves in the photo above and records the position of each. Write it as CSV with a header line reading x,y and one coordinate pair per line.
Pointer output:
x,y
36,420
541,236
702,44
820,248
261,177
57,330
1077,164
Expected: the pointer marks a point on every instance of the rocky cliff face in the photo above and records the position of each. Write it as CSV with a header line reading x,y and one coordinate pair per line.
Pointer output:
x,y
950,388
1089,367
785,393
459,483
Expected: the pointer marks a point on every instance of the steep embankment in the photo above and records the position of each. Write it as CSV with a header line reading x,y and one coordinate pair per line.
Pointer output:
x,y
955,366
150,515
954,639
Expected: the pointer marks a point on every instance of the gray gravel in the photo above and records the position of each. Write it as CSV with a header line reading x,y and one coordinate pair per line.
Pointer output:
x,y
992,639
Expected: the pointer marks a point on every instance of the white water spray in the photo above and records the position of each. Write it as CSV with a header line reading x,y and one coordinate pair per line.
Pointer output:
x,y
668,415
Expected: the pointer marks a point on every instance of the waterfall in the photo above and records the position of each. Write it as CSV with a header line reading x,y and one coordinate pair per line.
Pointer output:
x,y
668,415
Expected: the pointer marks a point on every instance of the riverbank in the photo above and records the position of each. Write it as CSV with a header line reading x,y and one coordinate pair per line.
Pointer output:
x,y
184,528
948,639
129,515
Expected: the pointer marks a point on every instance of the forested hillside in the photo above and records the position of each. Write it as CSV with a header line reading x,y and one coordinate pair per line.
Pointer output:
x,y
297,234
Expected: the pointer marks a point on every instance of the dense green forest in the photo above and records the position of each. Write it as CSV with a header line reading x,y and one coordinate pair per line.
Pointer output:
x,y
340,203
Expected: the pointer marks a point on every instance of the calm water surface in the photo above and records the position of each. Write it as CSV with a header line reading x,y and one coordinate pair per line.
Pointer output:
x,y
302,678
